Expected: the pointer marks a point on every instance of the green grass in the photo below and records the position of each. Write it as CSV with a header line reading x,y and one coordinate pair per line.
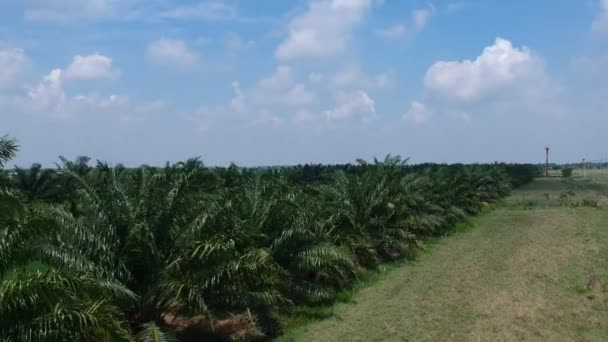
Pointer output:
x,y
535,268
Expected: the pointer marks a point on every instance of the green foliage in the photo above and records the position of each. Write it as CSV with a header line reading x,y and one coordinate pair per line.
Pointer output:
x,y
123,249
150,332
567,172
8,149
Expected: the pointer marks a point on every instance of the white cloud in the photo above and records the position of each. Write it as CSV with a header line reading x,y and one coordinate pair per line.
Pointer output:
x,y
421,17
68,10
172,53
324,30
352,104
392,32
351,76
503,80
600,24
499,66
281,89
418,113
238,102
281,98
12,62
92,67
77,11
211,11
48,97
268,101
383,79
418,21
48,94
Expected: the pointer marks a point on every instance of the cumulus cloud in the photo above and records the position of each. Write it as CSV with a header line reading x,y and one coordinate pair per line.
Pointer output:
x,y
600,24
419,19
48,97
238,103
418,113
503,78
351,76
48,94
92,67
352,104
499,66
324,30
280,98
281,89
12,62
172,53
268,101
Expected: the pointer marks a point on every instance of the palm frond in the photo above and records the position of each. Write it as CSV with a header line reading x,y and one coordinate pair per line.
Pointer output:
x,y
151,332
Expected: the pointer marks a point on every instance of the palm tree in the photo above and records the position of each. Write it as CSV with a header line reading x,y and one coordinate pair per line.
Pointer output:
x,y
38,184
181,254
8,149
39,302
366,214
306,248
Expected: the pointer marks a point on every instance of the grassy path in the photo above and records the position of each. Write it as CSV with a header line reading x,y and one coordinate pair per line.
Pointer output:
x,y
536,269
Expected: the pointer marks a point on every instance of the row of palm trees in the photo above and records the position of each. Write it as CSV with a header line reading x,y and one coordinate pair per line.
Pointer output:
x,y
152,254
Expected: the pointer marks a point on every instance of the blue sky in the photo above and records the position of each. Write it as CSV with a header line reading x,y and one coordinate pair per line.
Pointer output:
x,y
287,82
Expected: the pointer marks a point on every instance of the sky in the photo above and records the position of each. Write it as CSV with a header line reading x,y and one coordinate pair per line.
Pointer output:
x,y
278,82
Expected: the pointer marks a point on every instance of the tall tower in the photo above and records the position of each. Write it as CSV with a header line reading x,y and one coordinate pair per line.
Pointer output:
x,y
547,161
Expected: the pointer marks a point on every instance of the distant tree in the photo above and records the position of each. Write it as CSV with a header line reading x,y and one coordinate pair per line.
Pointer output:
x,y
567,172
37,183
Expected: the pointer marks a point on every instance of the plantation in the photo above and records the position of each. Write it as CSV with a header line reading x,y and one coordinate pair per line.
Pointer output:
x,y
94,252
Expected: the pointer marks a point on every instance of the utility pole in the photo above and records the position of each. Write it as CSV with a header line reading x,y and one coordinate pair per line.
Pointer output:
x,y
584,168
547,161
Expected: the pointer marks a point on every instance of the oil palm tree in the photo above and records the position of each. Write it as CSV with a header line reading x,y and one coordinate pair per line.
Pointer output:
x,y
8,149
38,184
181,253
366,214
39,302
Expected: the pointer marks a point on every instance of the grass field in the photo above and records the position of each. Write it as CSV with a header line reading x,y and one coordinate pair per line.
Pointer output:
x,y
534,269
